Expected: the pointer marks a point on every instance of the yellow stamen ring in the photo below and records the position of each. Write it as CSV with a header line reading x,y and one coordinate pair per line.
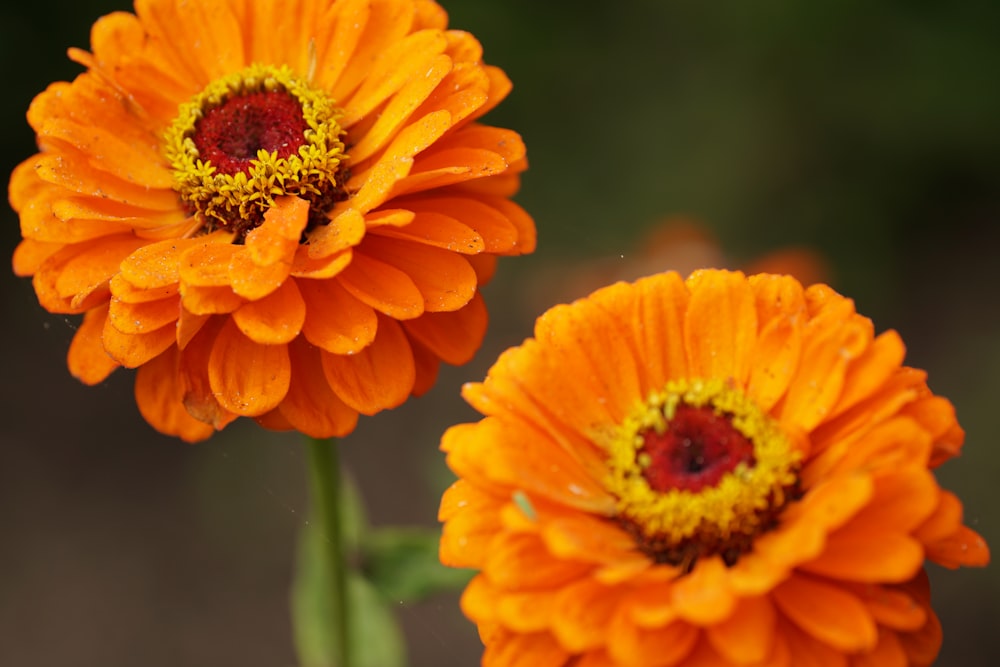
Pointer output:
x,y
240,199
680,524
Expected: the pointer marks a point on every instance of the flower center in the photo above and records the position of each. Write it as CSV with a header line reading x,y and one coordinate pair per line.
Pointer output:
x,y
230,135
698,448
252,136
699,469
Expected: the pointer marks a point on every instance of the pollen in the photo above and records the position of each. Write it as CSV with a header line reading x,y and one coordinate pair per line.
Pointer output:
x,y
699,469
252,136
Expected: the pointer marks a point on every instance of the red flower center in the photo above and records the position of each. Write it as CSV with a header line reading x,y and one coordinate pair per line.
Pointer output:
x,y
230,134
698,447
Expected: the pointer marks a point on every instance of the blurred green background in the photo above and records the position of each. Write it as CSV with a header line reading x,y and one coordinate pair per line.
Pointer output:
x,y
869,131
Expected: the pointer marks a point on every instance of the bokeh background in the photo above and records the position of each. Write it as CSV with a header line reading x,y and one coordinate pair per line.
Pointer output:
x,y
866,131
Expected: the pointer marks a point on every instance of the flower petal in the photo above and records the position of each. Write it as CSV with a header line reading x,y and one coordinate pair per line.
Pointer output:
x,y
246,377
383,287
87,359
275,319
747,636
444,279
159,395
277,238
452,337
378,377
827,612
720,328
335,320
310,405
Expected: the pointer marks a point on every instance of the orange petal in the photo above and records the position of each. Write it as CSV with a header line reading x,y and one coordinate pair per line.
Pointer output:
x,y
198,397
449,167
247,378
210,300
133,350
383,287
704,596
903,500
831,339
335,320
517,216
87,359
396,162
253,281
582,614
274,421
427,366
468,532
138,318
303,266
660,647
78,175
588,538
275,319
30,255
776,359
531,611
944,521
510,392
808,651
720,329
856,555
94,265
444,279
453,337
344,231
277,238
400,108
123,290
747,636
159,394
936,414
828,613
525,650
106,149
311,406
188,325
595,360
777,297
378,377
871,370
206,263
498,233
659,303
544,472
521,562
892,607
348,20
440,231
887,653
403,61
964,547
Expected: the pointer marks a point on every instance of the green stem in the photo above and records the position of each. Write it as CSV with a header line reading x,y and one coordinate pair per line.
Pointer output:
x,y
324,467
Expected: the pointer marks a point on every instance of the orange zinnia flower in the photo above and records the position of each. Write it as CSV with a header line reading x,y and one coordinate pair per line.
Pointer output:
x,y
274,210
718,471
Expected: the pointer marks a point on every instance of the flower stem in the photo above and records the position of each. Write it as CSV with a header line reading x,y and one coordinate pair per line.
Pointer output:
x,y
325,478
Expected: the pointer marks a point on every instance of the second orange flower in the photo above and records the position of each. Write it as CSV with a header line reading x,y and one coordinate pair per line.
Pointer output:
x,y
718,471
274,210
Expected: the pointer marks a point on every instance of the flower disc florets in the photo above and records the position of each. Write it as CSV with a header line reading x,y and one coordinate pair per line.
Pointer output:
x,y
699,469
250,137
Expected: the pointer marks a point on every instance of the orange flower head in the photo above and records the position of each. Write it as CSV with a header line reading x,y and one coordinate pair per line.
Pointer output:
x,y
289,228
721,470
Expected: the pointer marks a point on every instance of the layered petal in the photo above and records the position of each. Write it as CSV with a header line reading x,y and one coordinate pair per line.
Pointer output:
x,y
714,471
